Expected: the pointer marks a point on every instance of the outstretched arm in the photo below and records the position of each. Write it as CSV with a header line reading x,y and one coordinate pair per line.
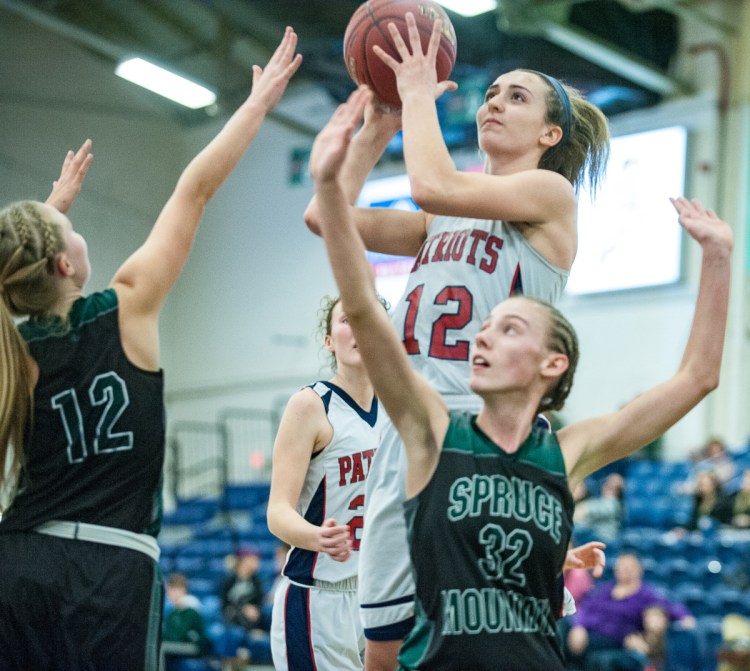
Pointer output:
x,y
593,443
382,230
415,408
144,280
67,186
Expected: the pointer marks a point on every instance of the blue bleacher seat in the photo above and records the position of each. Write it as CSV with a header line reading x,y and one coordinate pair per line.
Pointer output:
x,y
192,511
709,629
684,650
246,496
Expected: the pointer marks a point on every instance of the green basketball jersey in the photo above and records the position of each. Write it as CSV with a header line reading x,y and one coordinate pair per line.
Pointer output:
x,y
488,538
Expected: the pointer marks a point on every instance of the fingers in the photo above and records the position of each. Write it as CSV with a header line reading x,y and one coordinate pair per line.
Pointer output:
x,y
391,62
335,540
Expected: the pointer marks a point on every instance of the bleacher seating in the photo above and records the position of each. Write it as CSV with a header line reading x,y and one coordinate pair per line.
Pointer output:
x,y
208,534
694,568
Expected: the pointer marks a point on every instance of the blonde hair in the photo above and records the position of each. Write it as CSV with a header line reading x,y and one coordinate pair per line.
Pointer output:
x,y
28,246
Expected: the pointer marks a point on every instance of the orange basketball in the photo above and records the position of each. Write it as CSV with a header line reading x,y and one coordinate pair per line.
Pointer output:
x,y
369,27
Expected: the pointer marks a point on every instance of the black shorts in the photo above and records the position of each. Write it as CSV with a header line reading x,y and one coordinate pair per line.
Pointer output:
x,y
70,605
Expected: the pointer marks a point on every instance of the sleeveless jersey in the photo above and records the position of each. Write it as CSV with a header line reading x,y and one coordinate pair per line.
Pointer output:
x,y
488,537
95,449
464,268
335,483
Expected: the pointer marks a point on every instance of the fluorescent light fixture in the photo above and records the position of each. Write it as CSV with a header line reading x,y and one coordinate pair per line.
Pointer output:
x,y
165,83
469,7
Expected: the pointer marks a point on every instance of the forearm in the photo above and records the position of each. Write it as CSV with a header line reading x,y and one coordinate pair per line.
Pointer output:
x,y
703,352
287,524
365,150
428,161
208,170
346,250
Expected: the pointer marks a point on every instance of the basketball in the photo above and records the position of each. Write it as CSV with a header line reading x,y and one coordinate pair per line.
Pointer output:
x,y
369,27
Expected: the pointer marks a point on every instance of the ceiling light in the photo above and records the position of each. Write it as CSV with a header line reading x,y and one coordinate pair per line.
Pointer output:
x,y
469,7
165,83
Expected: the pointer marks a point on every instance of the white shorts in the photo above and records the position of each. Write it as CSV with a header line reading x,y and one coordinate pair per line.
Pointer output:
x,y
386,584
314,628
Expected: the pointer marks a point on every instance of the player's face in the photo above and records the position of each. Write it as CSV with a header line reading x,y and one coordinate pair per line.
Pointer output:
x,y
341,341
510,348
76,249
512,117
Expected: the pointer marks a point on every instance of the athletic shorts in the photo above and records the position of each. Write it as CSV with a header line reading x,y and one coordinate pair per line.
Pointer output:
x,y
70,604
386,584
314,628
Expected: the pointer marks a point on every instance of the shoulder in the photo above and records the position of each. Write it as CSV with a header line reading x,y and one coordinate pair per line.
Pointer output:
x,y
305,402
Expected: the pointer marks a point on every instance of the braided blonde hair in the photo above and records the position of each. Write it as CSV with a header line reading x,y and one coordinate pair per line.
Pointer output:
x,y
29,244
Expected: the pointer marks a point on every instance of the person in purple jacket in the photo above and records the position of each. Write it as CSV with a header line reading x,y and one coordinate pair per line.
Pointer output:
x,y
611,612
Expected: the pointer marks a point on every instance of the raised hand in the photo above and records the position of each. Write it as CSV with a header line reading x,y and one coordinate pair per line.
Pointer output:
x,y
270,82
335,540
589,556
67,186
703,224
331,144
417,68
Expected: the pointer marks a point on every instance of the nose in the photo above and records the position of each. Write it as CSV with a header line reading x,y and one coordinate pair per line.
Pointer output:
x,y
495,101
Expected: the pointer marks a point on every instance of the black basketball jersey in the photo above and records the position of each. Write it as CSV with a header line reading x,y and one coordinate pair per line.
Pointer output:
x,y
95,449
488,537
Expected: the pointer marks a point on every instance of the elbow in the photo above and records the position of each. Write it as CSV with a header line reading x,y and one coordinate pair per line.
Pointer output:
x,y
271,520
428,195
312,219
710,383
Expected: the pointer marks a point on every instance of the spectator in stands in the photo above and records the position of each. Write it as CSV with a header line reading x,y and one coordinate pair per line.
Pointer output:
x,y
738,504
183,622
710,505
611,612
712,457
242,593
650,645
601,516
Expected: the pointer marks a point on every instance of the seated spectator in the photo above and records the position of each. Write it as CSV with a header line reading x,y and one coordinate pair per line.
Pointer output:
x,y
650,645
183,623
712,457
601,516
710,504
612,611
242,593
738,504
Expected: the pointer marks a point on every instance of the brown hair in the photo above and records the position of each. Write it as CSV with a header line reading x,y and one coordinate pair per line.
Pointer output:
x,y
583,154
562,338
325,318
28,246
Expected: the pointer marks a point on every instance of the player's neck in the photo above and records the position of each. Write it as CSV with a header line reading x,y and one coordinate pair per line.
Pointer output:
x,y
354,381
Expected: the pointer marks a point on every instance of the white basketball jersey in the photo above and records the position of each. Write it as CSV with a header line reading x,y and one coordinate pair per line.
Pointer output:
x,y
334,486
464,268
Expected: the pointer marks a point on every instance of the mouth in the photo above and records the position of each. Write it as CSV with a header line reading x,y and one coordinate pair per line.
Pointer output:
x,y
479,362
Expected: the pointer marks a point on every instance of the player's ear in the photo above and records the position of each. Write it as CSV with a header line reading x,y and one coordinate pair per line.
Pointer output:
x,y
554,365
551,136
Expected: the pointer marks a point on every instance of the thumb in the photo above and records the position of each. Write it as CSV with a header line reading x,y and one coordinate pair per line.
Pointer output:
x,y
446,85
330,522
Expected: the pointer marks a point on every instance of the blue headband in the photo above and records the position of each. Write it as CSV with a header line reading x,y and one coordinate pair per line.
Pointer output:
x,y
564,99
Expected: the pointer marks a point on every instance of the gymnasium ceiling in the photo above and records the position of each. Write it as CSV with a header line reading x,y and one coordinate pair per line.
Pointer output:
x,y
618,52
